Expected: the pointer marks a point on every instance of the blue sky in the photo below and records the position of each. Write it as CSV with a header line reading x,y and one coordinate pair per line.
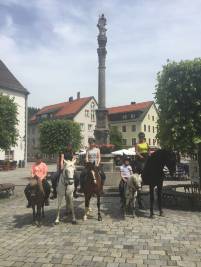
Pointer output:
x,y
50,45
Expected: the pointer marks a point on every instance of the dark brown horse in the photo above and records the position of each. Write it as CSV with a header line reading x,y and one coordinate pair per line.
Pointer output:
x,y
37,200
92,186
153,174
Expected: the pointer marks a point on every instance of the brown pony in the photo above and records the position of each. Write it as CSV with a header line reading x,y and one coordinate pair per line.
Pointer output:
x,y
92,186
37,200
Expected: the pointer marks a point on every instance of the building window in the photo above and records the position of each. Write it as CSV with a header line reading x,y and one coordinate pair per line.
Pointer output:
x,y
9,155
92,105
133,128
90,127
153,129
124,116
154,141
124,129
124,141
93,115
149,128
152,118
133,116
82,126
87,113
148,117
145,128
149,141
133,141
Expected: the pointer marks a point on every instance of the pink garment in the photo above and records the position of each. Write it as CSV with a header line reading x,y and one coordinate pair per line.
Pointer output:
x,y
39,170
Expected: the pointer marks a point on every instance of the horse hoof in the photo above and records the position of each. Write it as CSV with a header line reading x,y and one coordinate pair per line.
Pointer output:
x,y
74,222
34,223
85,218
152,216
161,214
99,218
56,223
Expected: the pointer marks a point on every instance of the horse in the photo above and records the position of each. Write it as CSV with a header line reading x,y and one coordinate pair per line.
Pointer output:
x,y
153,174
65,188
131,192
37,200
92,186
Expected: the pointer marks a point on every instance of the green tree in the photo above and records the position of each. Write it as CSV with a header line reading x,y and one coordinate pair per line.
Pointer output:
x,y
8,122
116,137
56,134
32,111
178,95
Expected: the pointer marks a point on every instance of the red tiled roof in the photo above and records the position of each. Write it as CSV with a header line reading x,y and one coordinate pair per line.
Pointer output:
x,y
63,109
130,108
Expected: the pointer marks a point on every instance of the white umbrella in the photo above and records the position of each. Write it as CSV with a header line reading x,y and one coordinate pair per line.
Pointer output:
x,y
124,152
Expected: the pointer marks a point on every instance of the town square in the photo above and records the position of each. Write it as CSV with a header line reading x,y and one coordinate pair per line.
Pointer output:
x,y
100,133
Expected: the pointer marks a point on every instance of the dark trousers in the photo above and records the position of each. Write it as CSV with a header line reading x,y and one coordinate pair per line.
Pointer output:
x,y
55,179
46,187
122,188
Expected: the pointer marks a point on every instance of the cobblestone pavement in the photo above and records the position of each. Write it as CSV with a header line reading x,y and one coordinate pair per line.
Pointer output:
x,y
173,240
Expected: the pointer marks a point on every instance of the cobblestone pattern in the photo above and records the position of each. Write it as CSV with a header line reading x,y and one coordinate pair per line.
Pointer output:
x,y
173,240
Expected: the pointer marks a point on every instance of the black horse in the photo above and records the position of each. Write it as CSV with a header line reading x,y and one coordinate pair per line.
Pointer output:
x,y
153,174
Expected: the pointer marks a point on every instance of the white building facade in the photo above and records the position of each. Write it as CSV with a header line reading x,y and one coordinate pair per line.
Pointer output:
x,y
10,86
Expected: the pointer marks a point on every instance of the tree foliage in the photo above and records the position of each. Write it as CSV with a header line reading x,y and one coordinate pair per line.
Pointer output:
x,y
32,111
56,134
116,137
8,122
178,95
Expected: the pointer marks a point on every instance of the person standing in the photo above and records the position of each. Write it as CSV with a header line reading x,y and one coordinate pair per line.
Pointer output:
x,y
39,172
125,172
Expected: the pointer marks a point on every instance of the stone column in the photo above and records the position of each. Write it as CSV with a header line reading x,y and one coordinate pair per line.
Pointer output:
x,y
102,129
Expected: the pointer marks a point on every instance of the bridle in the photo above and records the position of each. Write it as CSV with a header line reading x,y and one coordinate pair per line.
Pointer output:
x,y
65,179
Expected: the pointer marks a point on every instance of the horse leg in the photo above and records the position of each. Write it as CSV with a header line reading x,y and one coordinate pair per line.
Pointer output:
x,y
69,196
159,189
43,213
34,214
98,205
38,215
139,200
134,203
151,189
60,197
87,200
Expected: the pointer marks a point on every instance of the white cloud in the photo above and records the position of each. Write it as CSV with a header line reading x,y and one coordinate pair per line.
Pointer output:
x,y
57,55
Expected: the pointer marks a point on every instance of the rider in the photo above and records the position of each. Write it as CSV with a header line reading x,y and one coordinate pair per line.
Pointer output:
x,y
67,155
92,155
142,151
39,172
125,172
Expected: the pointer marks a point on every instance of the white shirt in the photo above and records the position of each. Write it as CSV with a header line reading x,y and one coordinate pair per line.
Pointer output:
x,y
126,171
93,155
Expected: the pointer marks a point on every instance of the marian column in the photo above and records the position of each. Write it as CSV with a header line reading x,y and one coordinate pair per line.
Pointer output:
x,y
102,129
